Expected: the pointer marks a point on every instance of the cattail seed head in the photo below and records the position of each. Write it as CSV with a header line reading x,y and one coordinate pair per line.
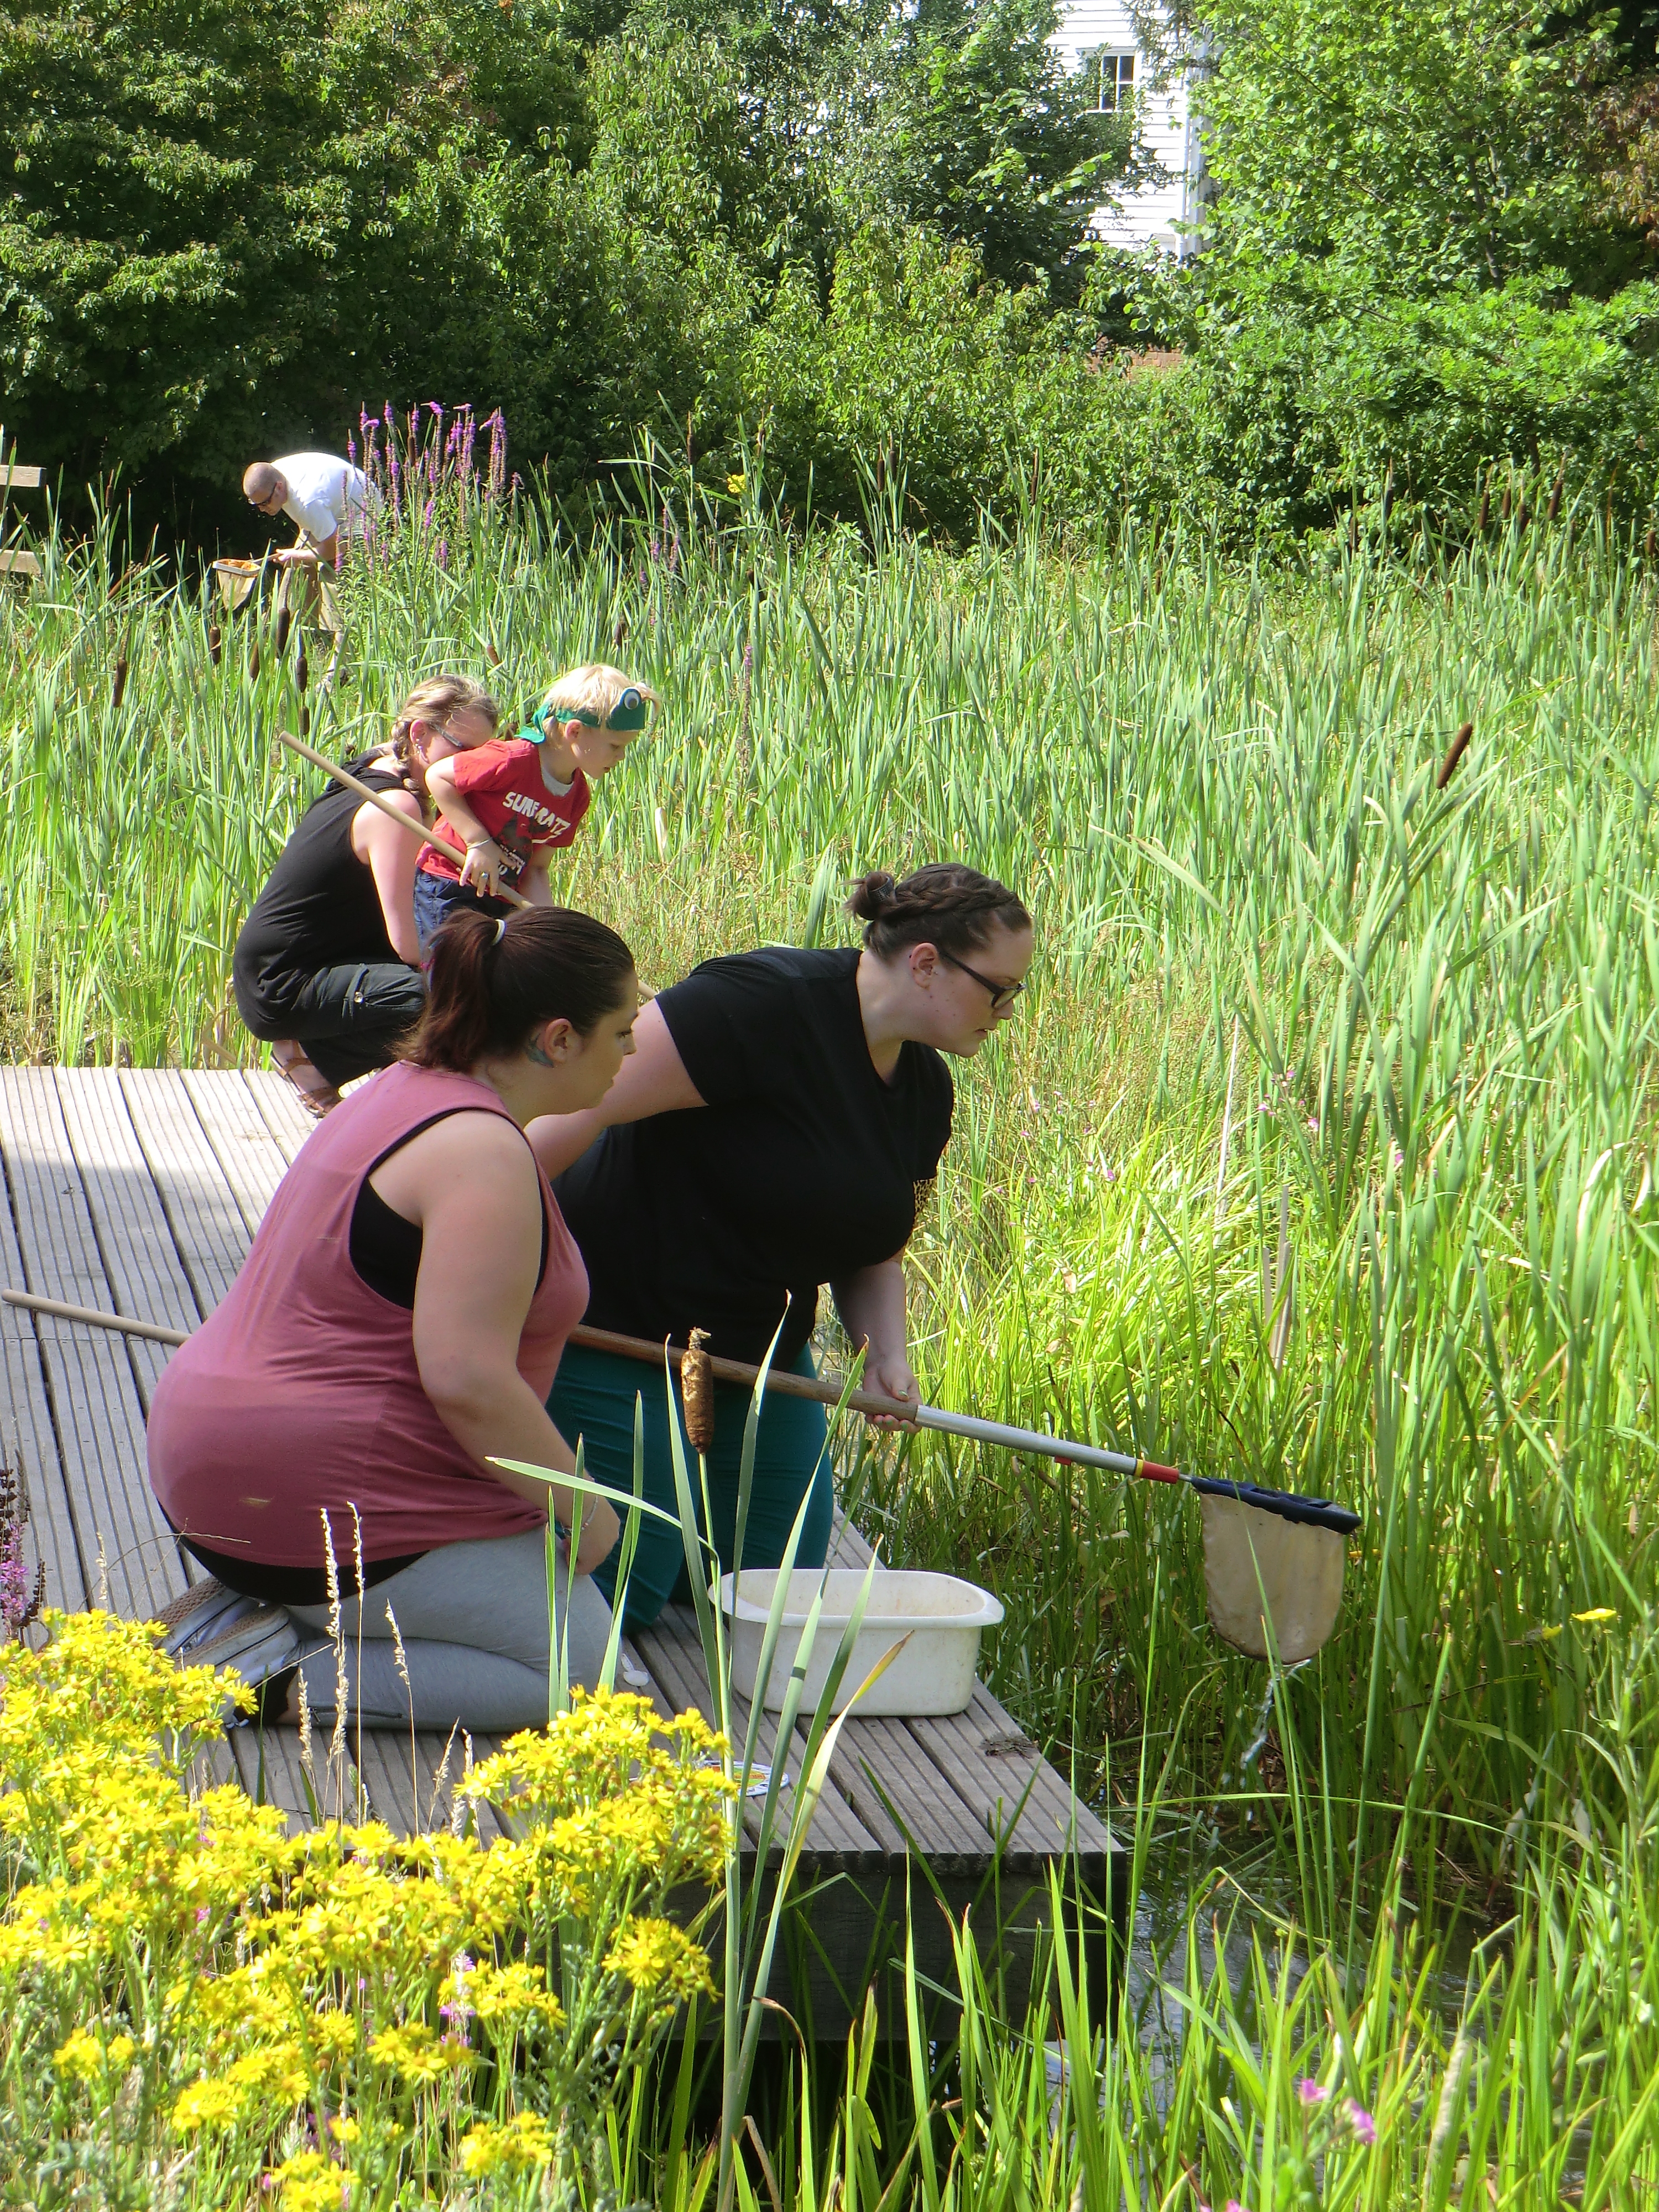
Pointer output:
x,y
698,1392
1455,753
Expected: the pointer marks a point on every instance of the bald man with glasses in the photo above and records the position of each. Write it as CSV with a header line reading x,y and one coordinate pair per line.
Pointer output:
x,y
325,497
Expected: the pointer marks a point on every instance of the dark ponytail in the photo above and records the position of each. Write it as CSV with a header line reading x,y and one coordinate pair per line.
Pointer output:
x,y
944,905
490,984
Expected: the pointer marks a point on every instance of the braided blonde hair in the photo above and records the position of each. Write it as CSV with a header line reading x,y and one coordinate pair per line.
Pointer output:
x,y
435,699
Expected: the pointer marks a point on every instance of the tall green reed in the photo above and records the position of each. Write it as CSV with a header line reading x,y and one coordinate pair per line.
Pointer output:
x,y
1217,787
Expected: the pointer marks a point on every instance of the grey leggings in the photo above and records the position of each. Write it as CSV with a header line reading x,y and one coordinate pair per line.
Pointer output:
x,y
473,1620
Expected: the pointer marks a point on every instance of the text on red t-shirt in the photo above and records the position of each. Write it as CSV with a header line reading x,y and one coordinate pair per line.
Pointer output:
x,y
503,784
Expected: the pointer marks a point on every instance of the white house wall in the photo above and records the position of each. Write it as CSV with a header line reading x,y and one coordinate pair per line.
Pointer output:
x,y
1168,133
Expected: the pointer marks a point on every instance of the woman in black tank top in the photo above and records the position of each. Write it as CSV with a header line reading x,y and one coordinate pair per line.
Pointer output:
x,y
327,967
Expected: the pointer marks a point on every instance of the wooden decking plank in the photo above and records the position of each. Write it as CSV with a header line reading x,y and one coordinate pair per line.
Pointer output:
x,y
208,1226
142,1191
252,1162
988,1761
267,1764
876,1768
126,1555
147,1277
280,1111
674,1656
848,1545
28,1435
991,1765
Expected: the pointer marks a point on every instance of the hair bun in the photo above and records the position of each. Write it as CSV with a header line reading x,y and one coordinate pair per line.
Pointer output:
x,y
872,895
942,903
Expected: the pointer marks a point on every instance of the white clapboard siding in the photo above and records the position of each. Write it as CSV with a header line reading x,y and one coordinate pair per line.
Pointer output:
x,y
1168,131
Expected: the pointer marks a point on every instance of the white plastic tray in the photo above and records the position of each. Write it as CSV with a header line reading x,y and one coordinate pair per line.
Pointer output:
x,y
935,1672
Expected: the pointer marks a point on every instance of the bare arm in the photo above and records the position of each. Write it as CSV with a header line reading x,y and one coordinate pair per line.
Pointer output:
x,y
871,1304
484,866
534,884
470,1185
390,853
653,1080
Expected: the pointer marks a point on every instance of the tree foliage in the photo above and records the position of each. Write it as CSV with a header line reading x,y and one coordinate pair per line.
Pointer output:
x,y
224,224
848,233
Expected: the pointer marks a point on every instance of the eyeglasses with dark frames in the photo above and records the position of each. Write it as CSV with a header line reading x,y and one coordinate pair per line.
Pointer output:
x,y
1002,994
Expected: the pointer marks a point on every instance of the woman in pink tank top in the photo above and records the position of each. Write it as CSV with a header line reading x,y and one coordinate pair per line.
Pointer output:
x,y
398,1325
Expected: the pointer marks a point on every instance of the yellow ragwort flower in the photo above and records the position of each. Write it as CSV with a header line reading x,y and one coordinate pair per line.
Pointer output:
x,y
659,1958
521,2147
207,2104
308,2183
418,2055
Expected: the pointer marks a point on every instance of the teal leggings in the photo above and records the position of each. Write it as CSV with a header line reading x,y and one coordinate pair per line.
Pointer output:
x,y
594,1399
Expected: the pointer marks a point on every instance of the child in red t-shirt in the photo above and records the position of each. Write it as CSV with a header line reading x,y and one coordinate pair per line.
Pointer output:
x,y
505,807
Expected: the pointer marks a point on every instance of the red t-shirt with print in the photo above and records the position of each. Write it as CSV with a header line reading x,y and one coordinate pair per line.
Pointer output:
x,y
502,783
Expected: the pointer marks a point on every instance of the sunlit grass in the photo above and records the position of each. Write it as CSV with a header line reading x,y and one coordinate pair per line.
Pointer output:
x,y
1437,1012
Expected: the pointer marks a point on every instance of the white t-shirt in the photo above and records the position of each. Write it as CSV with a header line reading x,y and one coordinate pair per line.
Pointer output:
x,y
325,494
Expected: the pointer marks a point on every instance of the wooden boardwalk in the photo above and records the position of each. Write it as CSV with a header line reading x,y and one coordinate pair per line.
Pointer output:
x,y
138,1191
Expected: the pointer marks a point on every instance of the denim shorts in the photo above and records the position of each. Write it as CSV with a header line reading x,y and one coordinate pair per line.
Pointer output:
x,y
437,897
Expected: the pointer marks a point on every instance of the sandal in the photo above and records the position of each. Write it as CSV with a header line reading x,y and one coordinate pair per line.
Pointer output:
x,y
312,1087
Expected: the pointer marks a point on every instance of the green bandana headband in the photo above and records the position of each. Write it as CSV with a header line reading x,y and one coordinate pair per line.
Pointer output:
x,y
629,714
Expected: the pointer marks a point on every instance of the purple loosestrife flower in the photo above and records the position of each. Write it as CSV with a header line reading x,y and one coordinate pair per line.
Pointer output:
x,y
443,552
20,1593
1364,2126
14,1580
1312,2092
351,449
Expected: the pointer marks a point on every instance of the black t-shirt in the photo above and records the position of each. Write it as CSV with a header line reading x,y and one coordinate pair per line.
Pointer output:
x,y
319,910
802,1168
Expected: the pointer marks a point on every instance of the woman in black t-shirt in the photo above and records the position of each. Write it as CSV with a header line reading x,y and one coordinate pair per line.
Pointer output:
x,y
327,967
824,1107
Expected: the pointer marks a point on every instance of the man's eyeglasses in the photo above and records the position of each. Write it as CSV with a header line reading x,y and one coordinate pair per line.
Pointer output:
x,y
1002,994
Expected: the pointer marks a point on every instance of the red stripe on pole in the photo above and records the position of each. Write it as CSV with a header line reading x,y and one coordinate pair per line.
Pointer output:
x,y
1154,1472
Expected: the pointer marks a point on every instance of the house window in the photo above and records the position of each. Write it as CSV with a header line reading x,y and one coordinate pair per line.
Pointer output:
x,y
1112,80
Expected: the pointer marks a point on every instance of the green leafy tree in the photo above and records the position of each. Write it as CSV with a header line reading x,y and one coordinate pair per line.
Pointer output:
x,y
215,218
970,123
1400,146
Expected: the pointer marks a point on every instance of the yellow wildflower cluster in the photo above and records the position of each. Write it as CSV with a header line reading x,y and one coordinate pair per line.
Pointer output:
x,y
345,1981
308,2182
524,2144
655,1956
84,2055
510,1997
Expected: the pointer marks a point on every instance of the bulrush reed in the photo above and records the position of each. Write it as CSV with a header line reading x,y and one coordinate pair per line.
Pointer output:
x,y
1324,1155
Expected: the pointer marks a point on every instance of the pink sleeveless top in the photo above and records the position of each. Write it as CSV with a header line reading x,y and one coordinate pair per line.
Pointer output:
x,y
301,1392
